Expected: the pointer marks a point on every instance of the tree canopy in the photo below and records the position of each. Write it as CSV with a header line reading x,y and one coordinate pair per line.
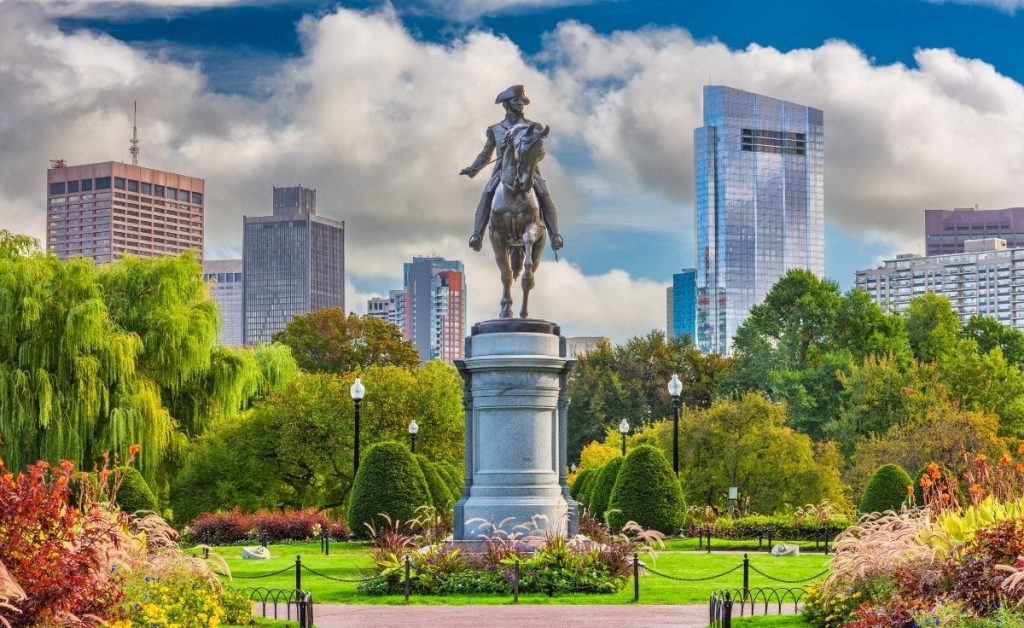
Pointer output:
x,y
327,341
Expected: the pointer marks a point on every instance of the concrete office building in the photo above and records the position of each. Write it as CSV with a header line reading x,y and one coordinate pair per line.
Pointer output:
x,y
681,308
987,278
575,346
390,309
946,230
434,307
294,264
109,209
225,280
759,168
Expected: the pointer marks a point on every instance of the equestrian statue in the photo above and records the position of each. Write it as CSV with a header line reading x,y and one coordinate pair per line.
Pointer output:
x,y
515,200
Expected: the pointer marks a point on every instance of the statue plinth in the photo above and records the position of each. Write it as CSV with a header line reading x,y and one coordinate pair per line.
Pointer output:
x,y
516,405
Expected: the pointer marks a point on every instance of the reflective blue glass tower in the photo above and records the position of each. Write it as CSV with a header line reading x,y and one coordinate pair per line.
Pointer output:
x,y
759,166
684,304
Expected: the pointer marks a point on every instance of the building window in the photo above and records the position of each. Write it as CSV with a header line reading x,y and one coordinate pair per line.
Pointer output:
x,y
197,198
133,185
119,183
57,188
158,190
86,185
103,183
147,188
72,186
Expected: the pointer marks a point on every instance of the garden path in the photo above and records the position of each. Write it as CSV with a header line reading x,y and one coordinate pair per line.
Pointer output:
x,y
594,616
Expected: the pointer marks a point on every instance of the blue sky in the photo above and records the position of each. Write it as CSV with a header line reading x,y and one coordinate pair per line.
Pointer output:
x,y
254,77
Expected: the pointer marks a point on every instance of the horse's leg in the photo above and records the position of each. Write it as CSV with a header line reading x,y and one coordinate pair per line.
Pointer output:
x,y
501,256
533,239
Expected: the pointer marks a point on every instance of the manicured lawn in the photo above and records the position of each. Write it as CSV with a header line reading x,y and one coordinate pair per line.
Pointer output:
x,y
784,621
352,560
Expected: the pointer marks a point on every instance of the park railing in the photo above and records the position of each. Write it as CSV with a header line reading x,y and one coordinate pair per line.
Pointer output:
x,y
766,600
821,539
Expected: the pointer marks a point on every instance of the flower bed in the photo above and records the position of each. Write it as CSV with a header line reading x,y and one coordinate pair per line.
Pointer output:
x,y
227,528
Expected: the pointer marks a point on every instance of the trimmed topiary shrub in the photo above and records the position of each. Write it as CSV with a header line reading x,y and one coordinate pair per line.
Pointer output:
x,y
389,481
577,486
601,487
451,476
887,489
134,494
647,491
440,495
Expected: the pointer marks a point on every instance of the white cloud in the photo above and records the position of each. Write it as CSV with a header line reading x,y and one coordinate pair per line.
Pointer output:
x,y
468,10
1009,6
380,123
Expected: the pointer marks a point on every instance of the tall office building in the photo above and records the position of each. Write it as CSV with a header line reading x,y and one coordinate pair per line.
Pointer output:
x,y
576,346
224,277
985,279
759,167
109,209
682,305
433,307
294,264
946,230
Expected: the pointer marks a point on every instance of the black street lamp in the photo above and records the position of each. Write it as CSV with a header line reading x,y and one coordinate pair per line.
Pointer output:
x,y
624,429
357,391
413,429
675,388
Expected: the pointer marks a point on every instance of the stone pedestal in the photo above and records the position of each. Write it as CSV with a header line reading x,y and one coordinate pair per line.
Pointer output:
x,y
516,408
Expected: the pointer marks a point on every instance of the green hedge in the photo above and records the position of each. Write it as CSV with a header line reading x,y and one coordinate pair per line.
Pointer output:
x,y
887,489
389,481
647,492
451,476
440,494
601,489
780,527
134,494
576,490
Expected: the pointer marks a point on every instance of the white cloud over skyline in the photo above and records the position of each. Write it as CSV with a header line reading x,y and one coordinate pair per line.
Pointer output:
x,y
380,123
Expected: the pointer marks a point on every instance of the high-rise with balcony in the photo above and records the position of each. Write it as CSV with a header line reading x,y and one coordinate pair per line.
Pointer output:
x,y
224,277
294,263
759,168
433,310
109,209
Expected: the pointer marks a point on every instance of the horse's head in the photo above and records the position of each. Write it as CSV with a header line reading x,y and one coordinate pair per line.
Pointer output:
x,y
524,149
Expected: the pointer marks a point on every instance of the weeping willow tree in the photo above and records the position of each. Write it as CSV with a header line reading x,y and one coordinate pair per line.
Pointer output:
x,y
96,359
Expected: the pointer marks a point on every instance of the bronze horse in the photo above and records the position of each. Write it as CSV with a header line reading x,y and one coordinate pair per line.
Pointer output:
x,y
517,230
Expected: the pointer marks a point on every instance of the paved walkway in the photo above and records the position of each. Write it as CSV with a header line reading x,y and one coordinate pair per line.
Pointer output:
x,y
566,616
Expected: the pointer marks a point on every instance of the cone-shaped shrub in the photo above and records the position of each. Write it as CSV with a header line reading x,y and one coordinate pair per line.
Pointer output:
x,y
134,494
578,488
389,481
887,489
601,488
451,476
647,491
440,495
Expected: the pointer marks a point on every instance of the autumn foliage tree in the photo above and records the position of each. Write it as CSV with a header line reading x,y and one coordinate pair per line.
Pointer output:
x,y
327,341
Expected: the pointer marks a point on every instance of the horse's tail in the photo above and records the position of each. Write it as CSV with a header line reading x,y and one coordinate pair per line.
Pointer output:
x,y
518,254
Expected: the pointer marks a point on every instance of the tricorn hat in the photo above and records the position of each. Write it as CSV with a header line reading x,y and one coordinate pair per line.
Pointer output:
x,y
510,93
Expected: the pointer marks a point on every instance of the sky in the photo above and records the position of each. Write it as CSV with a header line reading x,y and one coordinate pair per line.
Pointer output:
x,y
379,105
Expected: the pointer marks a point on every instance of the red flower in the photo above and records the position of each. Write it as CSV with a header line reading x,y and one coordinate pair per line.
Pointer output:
x,y
1005,460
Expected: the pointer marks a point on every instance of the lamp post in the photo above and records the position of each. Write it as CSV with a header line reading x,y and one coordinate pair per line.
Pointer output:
x,y
572,468
413,430
357,391
734,494
624,429
675,388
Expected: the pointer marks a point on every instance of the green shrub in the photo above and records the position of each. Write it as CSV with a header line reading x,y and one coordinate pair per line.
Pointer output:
x,y
440,494
887,489
576,490
601,488
779,527
134,494
451,476
647,492
389,481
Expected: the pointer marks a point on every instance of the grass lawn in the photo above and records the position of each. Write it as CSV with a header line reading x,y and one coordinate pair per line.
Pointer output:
x,y
352,560
785,621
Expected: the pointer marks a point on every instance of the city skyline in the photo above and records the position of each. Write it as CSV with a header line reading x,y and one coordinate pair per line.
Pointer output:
x,y
922,121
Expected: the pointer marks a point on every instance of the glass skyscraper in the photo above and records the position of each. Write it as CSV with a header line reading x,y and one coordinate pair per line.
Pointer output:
x,y
682,304
759,166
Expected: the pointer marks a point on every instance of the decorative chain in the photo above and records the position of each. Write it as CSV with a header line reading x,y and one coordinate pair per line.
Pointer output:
x,y
266,575
783,580
323,575
670,577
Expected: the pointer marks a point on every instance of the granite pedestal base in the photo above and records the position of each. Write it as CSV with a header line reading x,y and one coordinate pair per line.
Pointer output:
x,y
516,405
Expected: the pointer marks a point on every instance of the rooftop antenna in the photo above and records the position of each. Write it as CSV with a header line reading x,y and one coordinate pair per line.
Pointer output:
x,y
134,150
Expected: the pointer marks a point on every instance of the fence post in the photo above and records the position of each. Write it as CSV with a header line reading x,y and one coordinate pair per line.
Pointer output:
x,y
727,612
700,538
206,552
298,573
826,540
327,543
515,584
408,585
709,541
302,607
746,576
636,578
769,540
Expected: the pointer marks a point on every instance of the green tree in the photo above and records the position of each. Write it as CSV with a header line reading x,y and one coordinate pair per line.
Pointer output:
x,y
933,327
887,489
647,492
389,482
134,494
327,341
440,495
94,359
989,333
